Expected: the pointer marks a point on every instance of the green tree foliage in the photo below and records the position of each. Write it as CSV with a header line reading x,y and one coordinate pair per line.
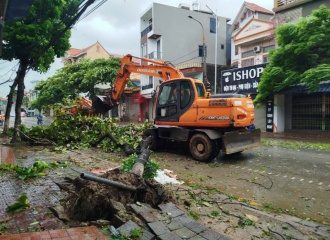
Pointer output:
x,y
34,42
29,38
73,79
302,56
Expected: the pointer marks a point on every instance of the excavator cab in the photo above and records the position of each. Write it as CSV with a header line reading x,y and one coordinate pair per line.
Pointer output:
x,y
174,98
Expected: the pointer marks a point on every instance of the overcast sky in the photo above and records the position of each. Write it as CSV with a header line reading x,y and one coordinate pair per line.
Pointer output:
x,y
116,25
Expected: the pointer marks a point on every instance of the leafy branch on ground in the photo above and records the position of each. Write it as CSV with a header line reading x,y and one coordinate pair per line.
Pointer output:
x,y
150,169
36,170
81,132
22,204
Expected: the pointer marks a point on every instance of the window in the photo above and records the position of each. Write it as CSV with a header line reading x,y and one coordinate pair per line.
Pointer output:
x,y
200,90
144,49
248,54
236,50
267,49
247,62
213,25
185,94
222,46
266,60
168,94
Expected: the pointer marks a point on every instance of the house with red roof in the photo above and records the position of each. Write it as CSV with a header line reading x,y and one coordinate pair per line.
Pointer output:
x,y
130,107
252,35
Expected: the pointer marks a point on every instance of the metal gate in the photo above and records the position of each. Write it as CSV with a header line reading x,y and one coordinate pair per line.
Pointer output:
x,y
311,111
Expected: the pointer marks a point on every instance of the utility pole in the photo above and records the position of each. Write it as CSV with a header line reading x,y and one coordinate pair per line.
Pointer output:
x,y
205,80
216,49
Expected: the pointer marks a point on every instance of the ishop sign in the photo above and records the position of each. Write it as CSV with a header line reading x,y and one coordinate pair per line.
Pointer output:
x,y
242,80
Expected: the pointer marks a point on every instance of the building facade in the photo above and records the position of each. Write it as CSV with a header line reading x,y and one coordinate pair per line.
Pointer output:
x,y
294,108
177,35
298,109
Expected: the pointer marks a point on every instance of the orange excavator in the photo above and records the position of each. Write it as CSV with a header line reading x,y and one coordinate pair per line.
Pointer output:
x,y
185,112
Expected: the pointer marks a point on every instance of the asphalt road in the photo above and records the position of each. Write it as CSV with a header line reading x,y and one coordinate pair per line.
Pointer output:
x,y
293,181
31,121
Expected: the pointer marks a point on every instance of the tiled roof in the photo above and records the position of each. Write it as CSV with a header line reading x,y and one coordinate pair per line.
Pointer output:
x,y
74,51
257,8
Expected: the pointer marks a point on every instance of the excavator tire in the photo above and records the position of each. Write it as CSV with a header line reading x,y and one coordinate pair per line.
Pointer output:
x,y
154,143
202,148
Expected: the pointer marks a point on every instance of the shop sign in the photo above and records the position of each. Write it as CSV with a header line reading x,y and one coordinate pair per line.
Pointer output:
x,y
242,80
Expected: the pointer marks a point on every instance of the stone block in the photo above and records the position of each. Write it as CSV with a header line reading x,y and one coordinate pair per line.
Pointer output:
x,y
144,212
213,235
174,225
195,226
185,233
158,228
169,236
130,225
171,208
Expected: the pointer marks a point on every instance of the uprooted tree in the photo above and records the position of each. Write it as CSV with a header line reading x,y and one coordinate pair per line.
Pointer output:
x,y
35,41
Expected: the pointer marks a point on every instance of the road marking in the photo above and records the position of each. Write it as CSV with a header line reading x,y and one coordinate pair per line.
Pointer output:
x,y
285,176
293,178
310,181
320,183
301,180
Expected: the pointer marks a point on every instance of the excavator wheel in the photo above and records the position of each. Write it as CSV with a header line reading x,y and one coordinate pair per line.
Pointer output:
x,y
203,148
154,144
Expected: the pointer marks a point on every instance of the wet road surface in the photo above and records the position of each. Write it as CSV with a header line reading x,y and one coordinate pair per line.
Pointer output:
x,y
286,180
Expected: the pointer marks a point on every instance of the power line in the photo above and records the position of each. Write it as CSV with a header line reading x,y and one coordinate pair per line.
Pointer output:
x,y
184,56
92,10
187,60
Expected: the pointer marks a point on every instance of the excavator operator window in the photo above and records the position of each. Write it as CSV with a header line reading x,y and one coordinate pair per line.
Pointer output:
x,y
168,94
185,94
200,89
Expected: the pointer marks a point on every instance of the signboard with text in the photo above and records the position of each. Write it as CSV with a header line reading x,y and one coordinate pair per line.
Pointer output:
x,y
242,80
270,115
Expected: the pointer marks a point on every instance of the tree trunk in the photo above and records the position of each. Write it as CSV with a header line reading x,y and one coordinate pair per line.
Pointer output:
x,y
19,99
138,167
9,106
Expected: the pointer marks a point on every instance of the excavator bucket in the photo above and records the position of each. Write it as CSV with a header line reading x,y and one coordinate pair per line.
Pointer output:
x,y
234,142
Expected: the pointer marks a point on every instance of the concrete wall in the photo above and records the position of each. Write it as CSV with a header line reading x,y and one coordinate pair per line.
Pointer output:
x,y
279,113
180,35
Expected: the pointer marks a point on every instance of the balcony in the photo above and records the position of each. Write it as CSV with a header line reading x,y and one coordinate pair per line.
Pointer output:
x,y
155,55
280,5
146,30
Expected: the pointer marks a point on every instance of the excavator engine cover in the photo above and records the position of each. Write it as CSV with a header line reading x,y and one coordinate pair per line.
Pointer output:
x,y
234,142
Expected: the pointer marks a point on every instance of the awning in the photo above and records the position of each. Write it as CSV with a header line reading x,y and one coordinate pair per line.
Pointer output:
x,y
301,88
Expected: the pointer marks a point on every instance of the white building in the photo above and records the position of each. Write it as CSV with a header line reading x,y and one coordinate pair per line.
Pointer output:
x,y
169,34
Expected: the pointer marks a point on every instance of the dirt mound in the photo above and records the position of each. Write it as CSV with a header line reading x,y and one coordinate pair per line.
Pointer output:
x,y
89,200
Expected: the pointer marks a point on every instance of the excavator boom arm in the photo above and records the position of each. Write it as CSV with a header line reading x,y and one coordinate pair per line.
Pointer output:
x,y
159,69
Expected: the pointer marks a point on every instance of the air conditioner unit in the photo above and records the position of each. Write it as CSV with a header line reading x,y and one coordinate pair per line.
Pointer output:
x,y
256,49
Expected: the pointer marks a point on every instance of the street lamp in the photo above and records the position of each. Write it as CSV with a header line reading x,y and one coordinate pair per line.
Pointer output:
x,y
216,49
206,82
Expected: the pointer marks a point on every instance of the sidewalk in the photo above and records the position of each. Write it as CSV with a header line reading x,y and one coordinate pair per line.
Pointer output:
x,y
167,222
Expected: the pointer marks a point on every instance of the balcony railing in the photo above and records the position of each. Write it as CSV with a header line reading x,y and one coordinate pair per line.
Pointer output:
x,y
281,3
149,86
146,30
155,55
